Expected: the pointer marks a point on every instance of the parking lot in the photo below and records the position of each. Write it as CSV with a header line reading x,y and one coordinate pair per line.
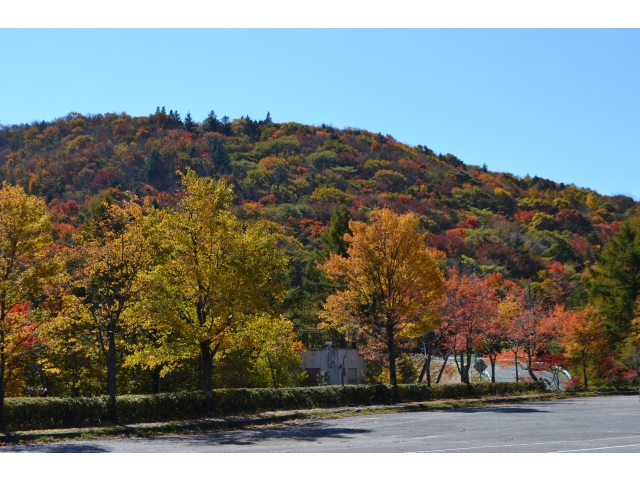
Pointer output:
x,y
592,424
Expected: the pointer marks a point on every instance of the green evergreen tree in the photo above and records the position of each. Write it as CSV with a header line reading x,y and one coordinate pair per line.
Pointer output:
x,y
332,237
211,123
153,167
226,126
217,154
614,285
189,124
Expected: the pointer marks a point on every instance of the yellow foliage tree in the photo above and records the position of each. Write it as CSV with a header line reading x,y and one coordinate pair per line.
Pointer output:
x,y
70,349
278,352
392,283
583,333
108,261
219,273
25,266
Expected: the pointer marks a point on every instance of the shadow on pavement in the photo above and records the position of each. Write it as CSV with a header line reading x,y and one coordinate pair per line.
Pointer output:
x,y
71,447
309,432
502,410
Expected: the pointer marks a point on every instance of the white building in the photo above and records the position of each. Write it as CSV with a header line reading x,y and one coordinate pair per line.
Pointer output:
x,y
343,365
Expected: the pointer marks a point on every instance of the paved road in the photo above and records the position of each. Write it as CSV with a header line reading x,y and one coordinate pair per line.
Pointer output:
x,y
596,424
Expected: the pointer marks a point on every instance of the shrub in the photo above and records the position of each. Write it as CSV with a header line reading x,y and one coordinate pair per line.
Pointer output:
x,y
323,159
284,146
33,413
329,194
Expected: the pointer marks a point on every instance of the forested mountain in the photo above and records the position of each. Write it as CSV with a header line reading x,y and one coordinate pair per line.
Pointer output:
x,y
293,177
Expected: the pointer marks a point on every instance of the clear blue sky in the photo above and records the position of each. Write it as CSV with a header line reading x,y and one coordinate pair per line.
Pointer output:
x,y
561,104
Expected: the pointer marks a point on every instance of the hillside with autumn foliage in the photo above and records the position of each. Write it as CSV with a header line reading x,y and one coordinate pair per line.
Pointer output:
x,y
529,242
296,175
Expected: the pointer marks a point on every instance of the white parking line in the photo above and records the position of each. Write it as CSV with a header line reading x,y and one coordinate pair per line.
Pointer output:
x,y
598,448
526,444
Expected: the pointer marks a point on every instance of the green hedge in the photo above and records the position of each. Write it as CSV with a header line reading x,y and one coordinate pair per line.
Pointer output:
x,y
33,413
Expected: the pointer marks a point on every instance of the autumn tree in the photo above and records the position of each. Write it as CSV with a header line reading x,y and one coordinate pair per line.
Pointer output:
x,y
494,339
277,352
392,283
531,327
218,273
104,270
582,335
509,311
25,266
426,343
468,306
70,350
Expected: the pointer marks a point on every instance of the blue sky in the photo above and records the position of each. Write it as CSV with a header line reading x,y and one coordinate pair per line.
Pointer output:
x,y
561,104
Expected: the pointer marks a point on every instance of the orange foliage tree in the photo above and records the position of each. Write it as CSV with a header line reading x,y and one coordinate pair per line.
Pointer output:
x,y
531,327
468,306
392,283
583,334
494,340
509,309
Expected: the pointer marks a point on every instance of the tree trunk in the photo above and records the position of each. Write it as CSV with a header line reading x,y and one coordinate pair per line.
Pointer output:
x,y
74,376
530,367
584,369
422,372
468,366
516,364
427,366
156,379
492,359
461,368
273,374
444,365
2,366
207,373
111,373
392,357
2,426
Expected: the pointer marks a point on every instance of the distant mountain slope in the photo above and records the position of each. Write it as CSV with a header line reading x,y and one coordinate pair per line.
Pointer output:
x,y
296,175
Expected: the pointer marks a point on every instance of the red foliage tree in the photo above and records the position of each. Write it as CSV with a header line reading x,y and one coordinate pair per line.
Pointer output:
x,y
19,339
468,305
531,328
472,222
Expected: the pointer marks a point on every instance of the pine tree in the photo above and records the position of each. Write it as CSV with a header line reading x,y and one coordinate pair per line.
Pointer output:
x,y
217,154
153,167
189,124
614,285
226,126
211,123
333,237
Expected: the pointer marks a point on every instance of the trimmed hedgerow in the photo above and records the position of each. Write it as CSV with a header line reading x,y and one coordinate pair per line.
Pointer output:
x,y
33,413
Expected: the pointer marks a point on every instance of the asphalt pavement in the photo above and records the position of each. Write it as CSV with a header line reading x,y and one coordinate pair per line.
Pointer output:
x,y
590,424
